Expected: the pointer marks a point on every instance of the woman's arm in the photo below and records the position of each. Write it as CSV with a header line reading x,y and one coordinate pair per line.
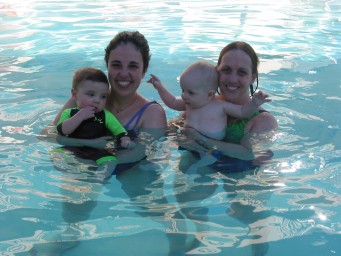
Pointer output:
x,y
154,122
99,143
70,103
49,133
250,145
241,151
123,155
152,127
131,155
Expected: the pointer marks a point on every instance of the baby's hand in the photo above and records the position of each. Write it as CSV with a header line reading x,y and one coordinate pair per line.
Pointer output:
x,y
260,97
155,81
127,143
86,112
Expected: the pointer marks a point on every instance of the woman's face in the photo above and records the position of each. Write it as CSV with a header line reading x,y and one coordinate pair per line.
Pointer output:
x,y
235,76
125,69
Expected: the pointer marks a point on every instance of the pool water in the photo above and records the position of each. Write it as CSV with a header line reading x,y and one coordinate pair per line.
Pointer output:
x,y
53,204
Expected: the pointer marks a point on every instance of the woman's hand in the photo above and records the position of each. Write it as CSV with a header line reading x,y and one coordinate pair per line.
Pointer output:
x,y
100,143
189,139
127,143
241,151
192,134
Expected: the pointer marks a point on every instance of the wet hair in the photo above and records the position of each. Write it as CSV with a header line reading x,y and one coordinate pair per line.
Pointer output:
x,y
137,39
207,71
245,47
92,74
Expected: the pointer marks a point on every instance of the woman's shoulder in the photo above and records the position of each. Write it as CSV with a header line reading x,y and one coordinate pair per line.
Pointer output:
x,y
154,109
262,122
150,106
153,114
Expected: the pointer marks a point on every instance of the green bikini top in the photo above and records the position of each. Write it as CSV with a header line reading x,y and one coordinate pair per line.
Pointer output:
x,y
236,130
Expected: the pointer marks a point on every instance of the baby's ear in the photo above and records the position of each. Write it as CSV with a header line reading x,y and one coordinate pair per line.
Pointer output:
x,y
73,93
211,94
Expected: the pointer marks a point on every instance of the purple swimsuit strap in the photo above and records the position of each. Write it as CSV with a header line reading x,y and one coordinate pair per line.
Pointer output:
x,y
138,116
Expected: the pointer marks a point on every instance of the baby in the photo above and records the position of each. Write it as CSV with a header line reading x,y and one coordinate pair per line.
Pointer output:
x,y
91,120
199,83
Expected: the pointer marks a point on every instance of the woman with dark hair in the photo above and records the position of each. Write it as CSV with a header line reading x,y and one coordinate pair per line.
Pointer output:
x,y
238,71
127,59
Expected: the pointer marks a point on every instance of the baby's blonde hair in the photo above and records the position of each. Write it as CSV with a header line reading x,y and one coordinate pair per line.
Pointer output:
x,y
204,72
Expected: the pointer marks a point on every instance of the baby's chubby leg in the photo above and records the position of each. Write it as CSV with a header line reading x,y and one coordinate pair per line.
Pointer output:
x,y
107,168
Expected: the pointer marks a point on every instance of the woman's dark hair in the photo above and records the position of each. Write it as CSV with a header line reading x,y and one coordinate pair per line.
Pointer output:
x,y
137,39
245,47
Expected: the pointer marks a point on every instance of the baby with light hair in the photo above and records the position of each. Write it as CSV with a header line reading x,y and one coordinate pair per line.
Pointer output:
x,y
203,112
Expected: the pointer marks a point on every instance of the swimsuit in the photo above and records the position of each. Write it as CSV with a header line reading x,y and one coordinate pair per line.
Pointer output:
x,y
234,133
137,117
102,124
131,126
132,130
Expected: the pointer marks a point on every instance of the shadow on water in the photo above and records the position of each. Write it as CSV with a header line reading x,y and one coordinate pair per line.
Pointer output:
x,y
106,213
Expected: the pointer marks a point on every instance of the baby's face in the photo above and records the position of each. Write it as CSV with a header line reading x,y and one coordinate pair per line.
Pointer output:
x,y
195,94
91,93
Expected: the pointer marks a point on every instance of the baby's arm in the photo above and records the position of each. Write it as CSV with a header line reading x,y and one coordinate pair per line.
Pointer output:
x,y
247,110
169,99
71,124
251,107
117,129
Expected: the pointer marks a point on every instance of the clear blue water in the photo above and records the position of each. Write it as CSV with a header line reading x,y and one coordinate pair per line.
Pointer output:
x,y
290,207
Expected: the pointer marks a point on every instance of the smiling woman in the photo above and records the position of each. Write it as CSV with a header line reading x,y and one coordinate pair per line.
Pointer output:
x,y
238,70
127,57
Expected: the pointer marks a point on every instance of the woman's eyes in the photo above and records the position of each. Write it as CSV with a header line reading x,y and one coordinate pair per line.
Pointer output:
x,y
115,64
134,66
229,71
225,70
118,65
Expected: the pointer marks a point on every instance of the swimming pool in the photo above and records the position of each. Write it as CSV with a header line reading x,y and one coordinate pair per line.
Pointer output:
x,y
290,207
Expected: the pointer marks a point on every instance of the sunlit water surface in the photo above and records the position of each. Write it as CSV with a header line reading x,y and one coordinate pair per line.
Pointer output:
x,y
290,207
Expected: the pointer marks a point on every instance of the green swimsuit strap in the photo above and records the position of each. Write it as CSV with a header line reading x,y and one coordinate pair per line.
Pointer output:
x,y
236,130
